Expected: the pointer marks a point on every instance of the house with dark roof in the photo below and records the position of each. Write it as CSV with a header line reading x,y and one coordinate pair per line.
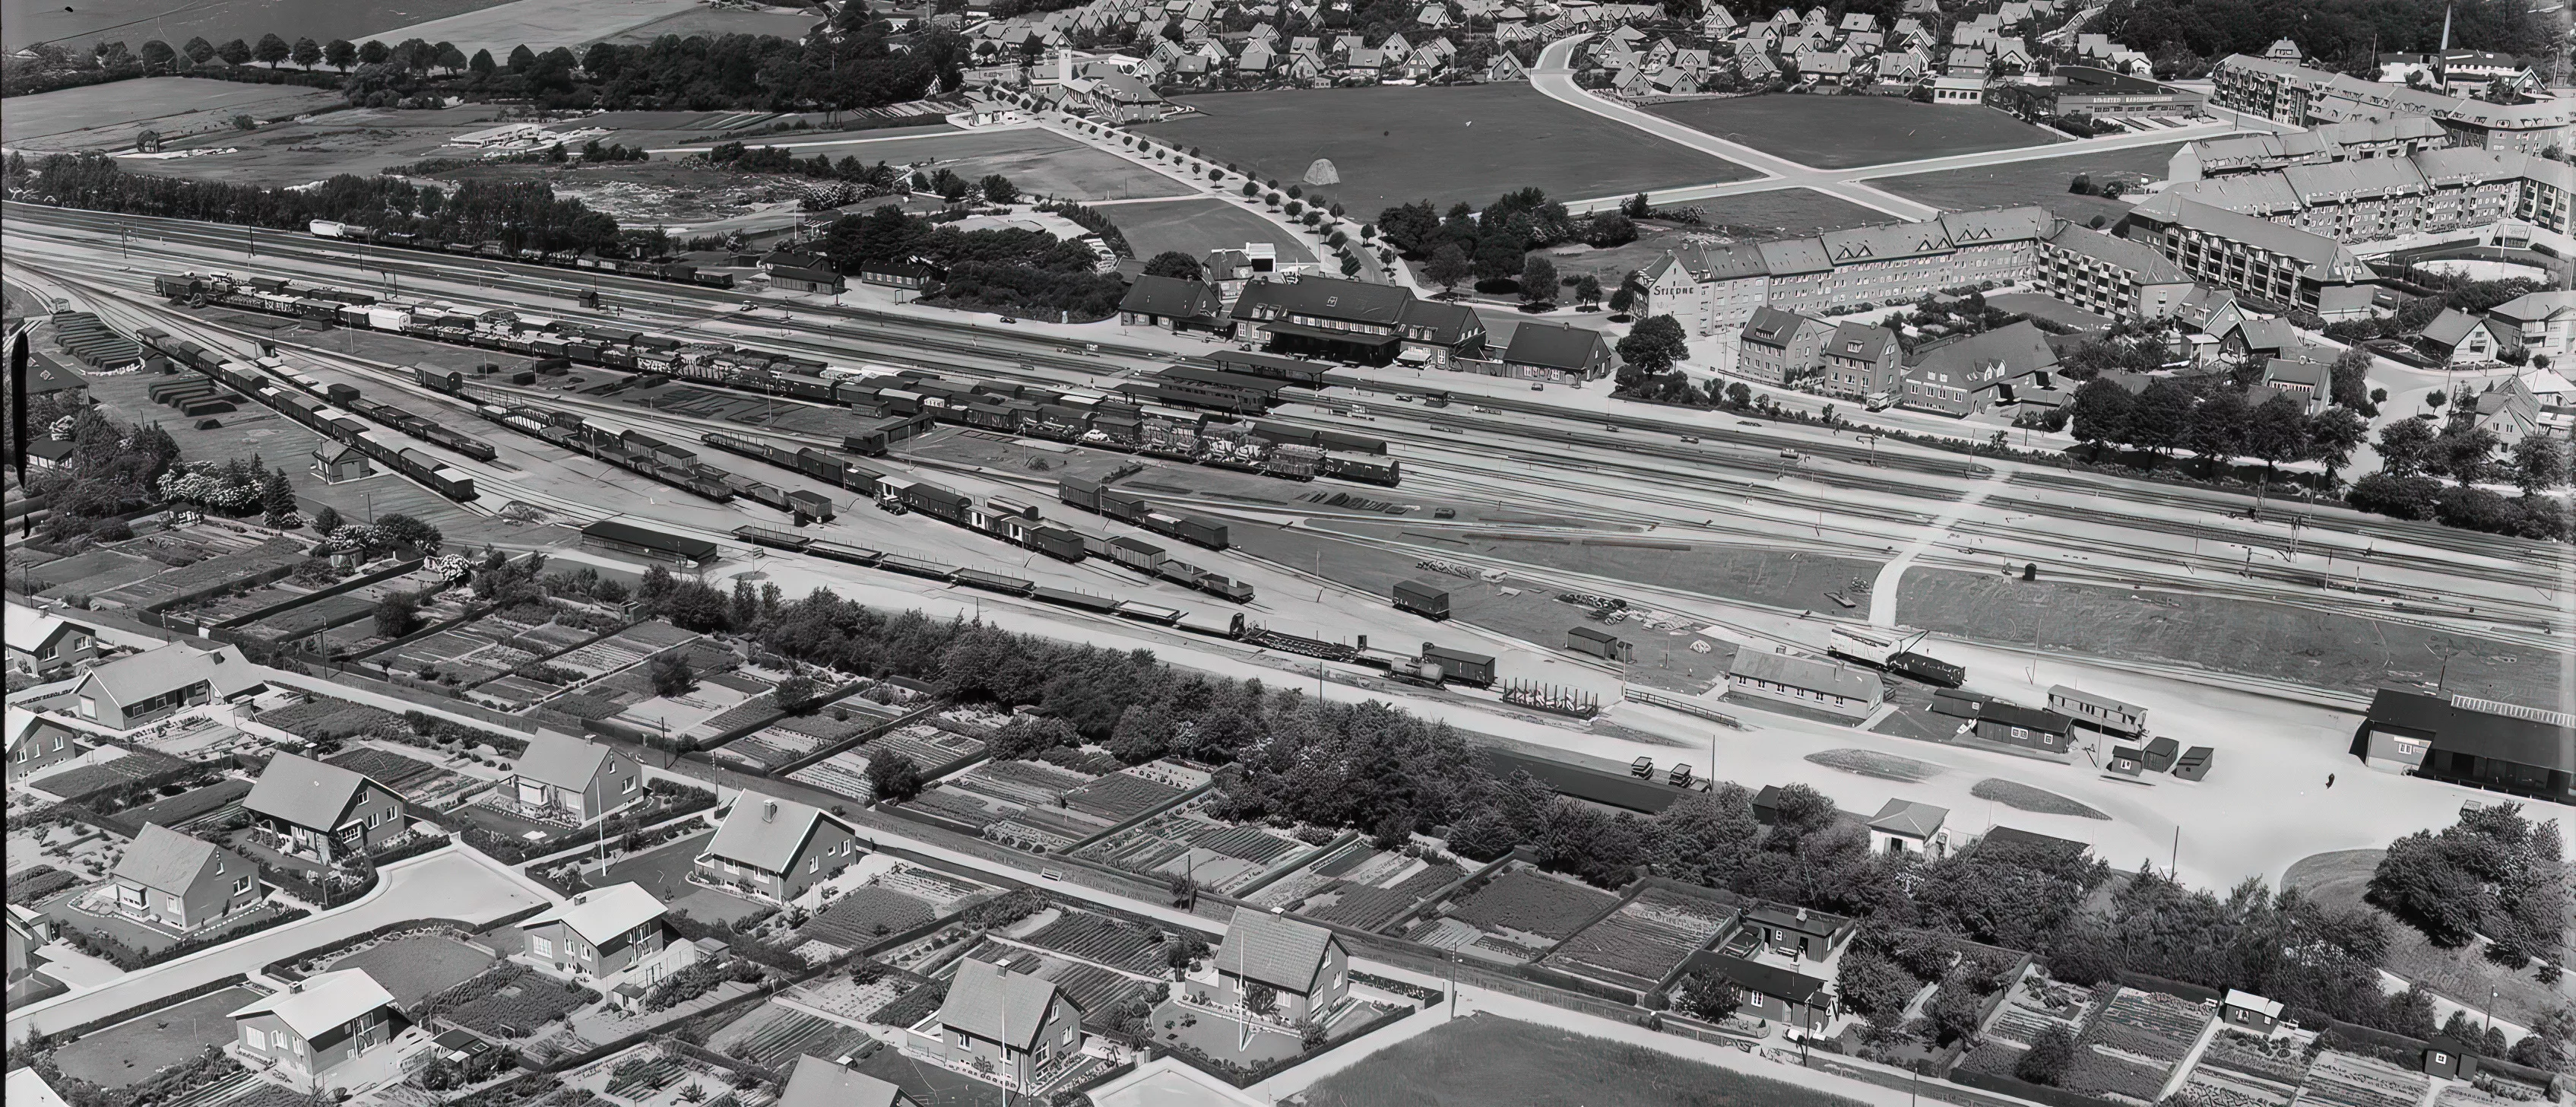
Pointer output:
x,y
1013,1026
624,537
1171,303
791,279
2456,338
322,811
1556,353
2308,381
777,848
1304,965
561,777
182,882
1354,321
2027,727
2481,743
316,1025
1780,347
1862,362
601,932
131,691
1770,991
1808,935
37,743
815,1082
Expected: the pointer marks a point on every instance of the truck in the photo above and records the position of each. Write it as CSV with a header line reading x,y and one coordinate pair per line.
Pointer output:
x,y
1421,599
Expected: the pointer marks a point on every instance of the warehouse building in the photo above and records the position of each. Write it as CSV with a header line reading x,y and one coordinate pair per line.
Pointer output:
x,y
1818,685
2481,743
610,534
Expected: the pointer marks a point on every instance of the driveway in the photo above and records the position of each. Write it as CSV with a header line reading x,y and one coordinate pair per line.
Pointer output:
x,y
452,883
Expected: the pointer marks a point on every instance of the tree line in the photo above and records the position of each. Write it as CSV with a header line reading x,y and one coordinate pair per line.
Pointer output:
x,y
1493,245
1001,269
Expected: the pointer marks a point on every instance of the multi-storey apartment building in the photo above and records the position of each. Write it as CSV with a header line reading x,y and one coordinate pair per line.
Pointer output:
x,y
2295,94
2110,276
2381,198
2257,258
2395,136
1715,289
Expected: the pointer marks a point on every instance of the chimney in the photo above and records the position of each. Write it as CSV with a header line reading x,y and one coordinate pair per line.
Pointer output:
x,y
1802,914
769,811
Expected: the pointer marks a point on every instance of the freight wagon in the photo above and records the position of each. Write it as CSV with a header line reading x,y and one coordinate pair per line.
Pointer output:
x,y
1421,599
1599,644
1460,666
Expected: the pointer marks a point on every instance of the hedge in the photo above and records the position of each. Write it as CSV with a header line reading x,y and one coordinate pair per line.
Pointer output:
x,y
128,958
686,800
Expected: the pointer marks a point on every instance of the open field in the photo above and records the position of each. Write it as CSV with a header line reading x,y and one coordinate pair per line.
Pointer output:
x,y
2338,879
2040,182
1485,1059
1470,142
105,117
418,967
541,25
1841,132
1780,578
135,22
2224,635
713,23
1195,227
1786,211
1040,162
130,1052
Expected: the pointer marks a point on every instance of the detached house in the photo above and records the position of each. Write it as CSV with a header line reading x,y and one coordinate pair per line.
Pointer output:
x,y
182,882
36,742
1016,1025
1863,362
777,848
1905,828
1171,303
132,691
1557,353
573,779
600,933
323,811
43,645
816,1082
1977,373
1780,347
2458,338
320,1022
1303,964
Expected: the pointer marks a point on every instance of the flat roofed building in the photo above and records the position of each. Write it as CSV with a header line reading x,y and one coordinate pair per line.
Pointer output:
x,y
2465,740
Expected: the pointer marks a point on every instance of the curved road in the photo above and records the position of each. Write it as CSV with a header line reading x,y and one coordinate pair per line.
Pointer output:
x,y
1554,77
452,883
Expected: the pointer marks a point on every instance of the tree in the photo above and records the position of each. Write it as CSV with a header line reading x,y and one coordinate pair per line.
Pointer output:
x,y
2277,431
482,63
235,52
2465,451
1448,268
2217,429
2101,412
272,50
1260,998
1498,258
2394,495
198,50
894,777
2048,1058
1538,279
1637,207
672,675
2402,446
1737,395
158,56
340,54
2539,463
373,52
2332,437
450,58
1653,347
326,519
1609,228
998,189
522,59
1410,228
396,614
1175,264
1709,999
2350,378
307,53
1587,290
403,530
277,499
2160,417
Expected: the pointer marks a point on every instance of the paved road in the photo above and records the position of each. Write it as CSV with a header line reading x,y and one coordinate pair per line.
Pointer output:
x,y
1554,76
453,883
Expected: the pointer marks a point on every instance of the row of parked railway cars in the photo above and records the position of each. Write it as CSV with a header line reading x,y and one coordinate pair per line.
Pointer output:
x,y
662,270
334,411
1148,420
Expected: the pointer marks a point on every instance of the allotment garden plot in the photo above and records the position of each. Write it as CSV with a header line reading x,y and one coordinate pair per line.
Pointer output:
x,y
1638,945
1041,806
1357,884
1515,917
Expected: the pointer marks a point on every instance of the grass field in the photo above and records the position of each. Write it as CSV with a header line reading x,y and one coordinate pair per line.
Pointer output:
x,y
1841,132
131,1052
105,117
2023,797
540,25
135,22
1470,142
1195,227
1485,1060
2338,879
2219,634
418,967
712,23
2041,182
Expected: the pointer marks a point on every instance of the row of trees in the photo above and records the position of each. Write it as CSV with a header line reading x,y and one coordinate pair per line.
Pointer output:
x,y
1001,269
1493,245
2211,419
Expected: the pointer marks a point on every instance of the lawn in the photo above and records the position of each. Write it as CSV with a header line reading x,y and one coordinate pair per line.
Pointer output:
x,y
1484,1060
418,967
1844,132
130,1052
2220,634
1041,163
2023,797
2041,182
1221,1037
538,24
137,21
103,117
1468,142
2338,879
663,872
1195,227
713,23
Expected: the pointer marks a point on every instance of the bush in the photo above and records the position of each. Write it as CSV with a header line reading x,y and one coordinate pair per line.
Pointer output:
x,y
2048,1058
